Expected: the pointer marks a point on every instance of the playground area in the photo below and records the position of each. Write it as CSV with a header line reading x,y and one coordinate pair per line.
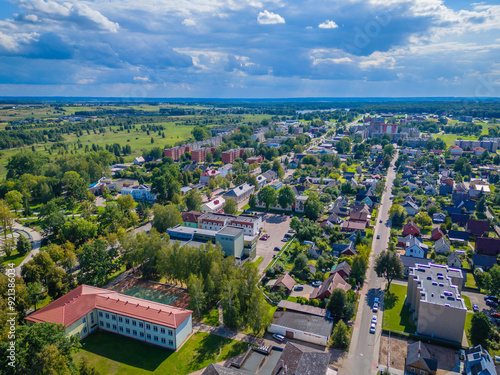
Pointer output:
x,y
153,291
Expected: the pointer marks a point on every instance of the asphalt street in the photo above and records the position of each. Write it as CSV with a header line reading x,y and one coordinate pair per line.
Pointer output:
x,y
364,348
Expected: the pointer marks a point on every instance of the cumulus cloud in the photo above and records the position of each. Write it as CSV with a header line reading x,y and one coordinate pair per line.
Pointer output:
x,y
328,24
269,18
189,22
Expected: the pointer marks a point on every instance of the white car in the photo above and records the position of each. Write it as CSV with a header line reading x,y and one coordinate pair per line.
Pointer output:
x,y
280,338
374,319
373,327
317,283
375,307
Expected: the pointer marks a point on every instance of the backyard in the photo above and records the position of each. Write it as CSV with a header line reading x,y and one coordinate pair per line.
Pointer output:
x,y
113,354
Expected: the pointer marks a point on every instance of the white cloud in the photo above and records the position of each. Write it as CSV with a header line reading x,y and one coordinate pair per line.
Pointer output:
x,y
269,18
189,22
328,24
141,79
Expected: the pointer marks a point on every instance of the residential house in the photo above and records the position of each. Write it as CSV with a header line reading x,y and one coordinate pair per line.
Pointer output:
x,y
448,181
478,228
460,193
470,206
484,261
456,151
487,246
209,174
410,208
478,188
261,181
436,234
438,217
139,160
454,260
414,247
478,362
351,226
411,228
226,169
360,213
87,309
460,219
285,281
458,235
445,189
190,218
214,206
334,281
300,202
140,193
442,246
343,269
430,190
419,360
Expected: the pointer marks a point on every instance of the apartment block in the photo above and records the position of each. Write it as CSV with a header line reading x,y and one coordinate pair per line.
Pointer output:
x,y
434,298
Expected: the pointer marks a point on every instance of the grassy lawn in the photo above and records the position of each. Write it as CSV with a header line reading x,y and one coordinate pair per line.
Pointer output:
x,y
450,138
258,261
468,304
470,282
291,299
468,320
397,315
15,258
212,317
114,354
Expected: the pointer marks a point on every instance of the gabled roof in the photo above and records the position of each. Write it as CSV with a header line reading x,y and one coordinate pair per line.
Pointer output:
x,y
411,224
478,227
301,361
488,245
418,353
190,216
330,284
287,281
436,231
344,266
458,234
72,306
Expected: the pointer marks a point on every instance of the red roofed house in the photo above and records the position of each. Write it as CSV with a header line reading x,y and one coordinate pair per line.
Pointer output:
x,y
286,281
488,246
329,285
411,228
86,309
478,227
455,150
478,150
436,234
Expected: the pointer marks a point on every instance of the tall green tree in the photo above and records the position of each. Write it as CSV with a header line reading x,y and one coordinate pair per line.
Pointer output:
x,y
193,200
337,303
389,266
23,245
267,195
166,217
230,207
196,293
340,336
313,207
286,197
96,263
480,330
14,199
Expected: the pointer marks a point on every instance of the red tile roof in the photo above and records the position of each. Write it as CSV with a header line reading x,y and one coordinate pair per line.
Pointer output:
x,y
80,301
285,280
191,216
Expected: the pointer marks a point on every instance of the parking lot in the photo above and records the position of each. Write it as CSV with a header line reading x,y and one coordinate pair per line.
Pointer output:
x,y
276,226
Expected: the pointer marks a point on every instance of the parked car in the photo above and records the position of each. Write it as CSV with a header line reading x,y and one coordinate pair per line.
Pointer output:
x,y
317,283
373,327
280,338
491,303
378,236
491,298
380,221
263,238
298,288
284,239
375,307
277,248
375,300
374,319
291,231
495,315
475,308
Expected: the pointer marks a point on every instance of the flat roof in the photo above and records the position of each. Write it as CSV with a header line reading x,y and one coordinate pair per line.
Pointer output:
x,y
191,230
305,323
230,231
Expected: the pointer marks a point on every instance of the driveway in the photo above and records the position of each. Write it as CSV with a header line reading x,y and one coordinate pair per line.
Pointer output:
x,y
306,292
478,299
276,226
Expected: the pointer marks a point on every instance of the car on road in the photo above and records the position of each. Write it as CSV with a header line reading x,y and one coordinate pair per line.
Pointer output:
x,y
491,298
375,300
378,236
375,307
374,319
317,283
373,327
380,221
298,288
284,239
475,308
291,231
277,248
491,303
280,338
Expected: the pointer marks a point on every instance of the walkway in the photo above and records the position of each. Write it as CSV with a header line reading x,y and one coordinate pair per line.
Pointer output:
x,y
36,240
225,332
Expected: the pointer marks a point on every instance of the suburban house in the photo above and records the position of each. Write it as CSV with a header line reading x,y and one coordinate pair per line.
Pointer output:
x,y
86,309
140,193
484,261
214,206
478,228
360,213
300,202
456,150
414,247
351,226
454,261
411,228
419,360
436,234
190,218
438,217
488,246
458,235
333,282
343,269
434,298
442,246
209,174
460,219
240,193
285,281
479,362
410,208
139,160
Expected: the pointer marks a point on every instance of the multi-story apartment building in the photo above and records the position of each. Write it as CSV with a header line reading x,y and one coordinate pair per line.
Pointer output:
x,y
176,152
214,221
250,224
87,309
240,193
434,298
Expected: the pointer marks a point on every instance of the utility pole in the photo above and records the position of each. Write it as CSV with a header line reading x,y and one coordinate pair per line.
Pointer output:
x,y
389,353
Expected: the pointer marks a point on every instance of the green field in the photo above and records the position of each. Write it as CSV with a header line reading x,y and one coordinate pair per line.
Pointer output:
x,y
15,258
397,315
113,354
450,138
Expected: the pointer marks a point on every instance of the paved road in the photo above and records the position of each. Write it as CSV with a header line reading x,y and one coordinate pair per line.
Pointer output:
x,y
364,348
36,240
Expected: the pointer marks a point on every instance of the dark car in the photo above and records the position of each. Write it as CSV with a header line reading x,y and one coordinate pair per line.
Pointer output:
x,y
491,298
491,303
475,308
277,248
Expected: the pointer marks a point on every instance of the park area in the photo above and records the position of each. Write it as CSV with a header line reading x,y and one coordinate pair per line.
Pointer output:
x,y
113,354
152,291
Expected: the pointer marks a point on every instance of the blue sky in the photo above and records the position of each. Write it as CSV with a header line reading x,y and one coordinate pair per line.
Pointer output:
x,y
249,48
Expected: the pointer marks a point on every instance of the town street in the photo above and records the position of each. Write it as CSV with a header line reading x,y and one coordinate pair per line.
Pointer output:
x,y
364,348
